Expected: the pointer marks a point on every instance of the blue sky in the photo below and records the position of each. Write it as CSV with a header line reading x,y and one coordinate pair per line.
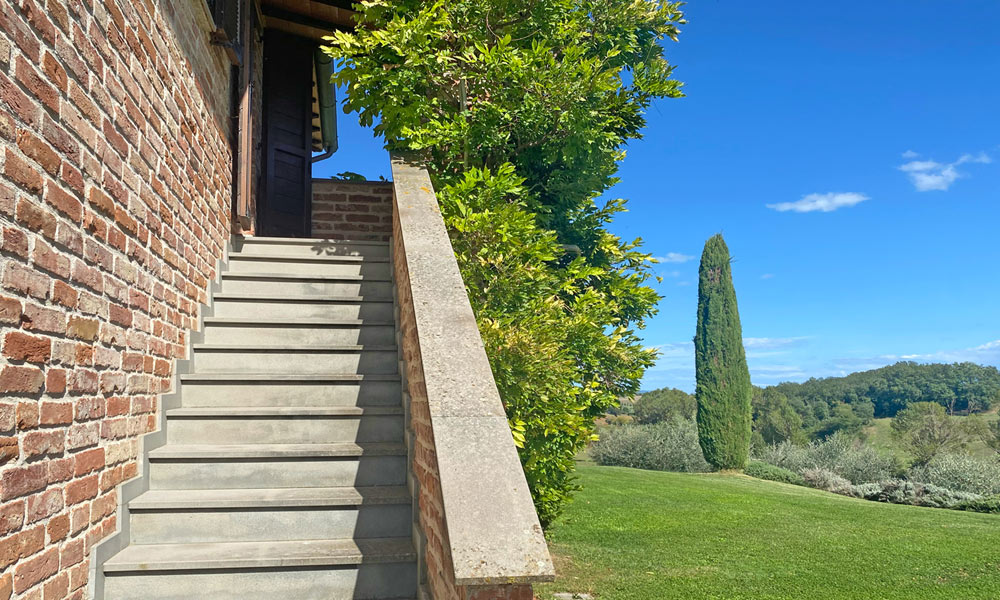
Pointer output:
x,y
850,155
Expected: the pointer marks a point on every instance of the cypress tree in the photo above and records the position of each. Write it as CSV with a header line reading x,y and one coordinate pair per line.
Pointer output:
x,y
723,381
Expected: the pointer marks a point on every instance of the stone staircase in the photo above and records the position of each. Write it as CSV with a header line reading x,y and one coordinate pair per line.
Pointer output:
x,y
284,468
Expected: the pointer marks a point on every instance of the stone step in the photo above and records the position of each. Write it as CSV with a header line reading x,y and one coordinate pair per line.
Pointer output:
x,y
241,515
229,466
311,247
284,425
242,389
319,265
294,360
291,570
275,308
277,283
305,332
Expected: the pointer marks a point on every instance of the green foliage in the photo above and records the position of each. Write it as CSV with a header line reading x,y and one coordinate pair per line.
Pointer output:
x,y
762,470
774,419
721,374
960,472
839,454
520,111
988,504
901,491
664,405
666,446
924,430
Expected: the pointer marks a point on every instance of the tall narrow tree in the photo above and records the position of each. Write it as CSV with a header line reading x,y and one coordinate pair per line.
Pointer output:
x,y
723,380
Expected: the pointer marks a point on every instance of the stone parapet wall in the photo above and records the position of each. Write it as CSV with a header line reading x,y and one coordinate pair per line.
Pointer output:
x,y
352,210
115,179
478,535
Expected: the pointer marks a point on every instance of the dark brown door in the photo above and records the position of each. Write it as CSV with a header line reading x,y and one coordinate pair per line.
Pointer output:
x,y
288,64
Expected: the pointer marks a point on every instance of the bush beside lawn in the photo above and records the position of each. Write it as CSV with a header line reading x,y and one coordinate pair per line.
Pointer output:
x,y
646,535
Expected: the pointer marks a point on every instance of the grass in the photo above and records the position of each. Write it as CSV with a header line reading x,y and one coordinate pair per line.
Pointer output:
x,y
879,435
645,535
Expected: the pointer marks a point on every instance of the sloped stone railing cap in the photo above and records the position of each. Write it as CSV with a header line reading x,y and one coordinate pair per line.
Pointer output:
x,y
493,530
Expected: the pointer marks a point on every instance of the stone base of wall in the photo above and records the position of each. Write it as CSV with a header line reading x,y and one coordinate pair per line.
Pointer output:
x,y
352,210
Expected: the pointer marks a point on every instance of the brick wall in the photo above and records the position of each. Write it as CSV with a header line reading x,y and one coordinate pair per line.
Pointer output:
x,y
352,210
114,208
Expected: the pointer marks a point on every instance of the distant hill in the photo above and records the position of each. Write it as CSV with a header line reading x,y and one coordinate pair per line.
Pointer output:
x,y
960,387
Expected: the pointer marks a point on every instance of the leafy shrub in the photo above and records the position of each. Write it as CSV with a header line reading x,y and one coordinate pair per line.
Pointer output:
x,y
960,472
619,419
987,504
670,446
762,470
839,454
901,491
822,479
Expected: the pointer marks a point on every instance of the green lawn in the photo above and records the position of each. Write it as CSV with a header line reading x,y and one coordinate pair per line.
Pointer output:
x,y
641,535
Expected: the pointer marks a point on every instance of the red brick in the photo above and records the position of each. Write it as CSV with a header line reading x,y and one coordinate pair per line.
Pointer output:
x,y
9,451
64,294
29,348
15,241
44,505
89,461
21,380
60,469
36,219
22,173
36,569
56,413
58,528
81,489
48,258
55,381
7,416
47,320
11,517
54,71
57,587
27,281
120,315
19,103
6,586
39,88
21,545
18,481
87,276
101,201
41,443
64,202
27,415
37,150
10,310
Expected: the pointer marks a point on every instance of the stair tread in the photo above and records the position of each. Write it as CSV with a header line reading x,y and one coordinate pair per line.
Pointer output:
x,y
328,258
302,277
300,298
285,411
229,451
309,241
150,558
270,498
243,377
297,322
294,348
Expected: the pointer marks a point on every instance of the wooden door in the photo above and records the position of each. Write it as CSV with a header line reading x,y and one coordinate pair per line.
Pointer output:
x,y
288,64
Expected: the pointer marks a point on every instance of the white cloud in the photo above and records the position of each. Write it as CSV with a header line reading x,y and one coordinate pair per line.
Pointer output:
x,y
670,274
764,343
674,257
910,154
930,175
767,276
820,202
683,283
